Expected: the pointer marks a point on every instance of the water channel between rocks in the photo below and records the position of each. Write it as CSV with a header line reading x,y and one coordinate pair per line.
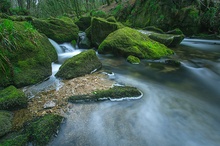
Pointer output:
x,y
179,107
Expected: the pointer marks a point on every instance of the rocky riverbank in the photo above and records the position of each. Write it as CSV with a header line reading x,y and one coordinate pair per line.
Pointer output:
x,y
57,101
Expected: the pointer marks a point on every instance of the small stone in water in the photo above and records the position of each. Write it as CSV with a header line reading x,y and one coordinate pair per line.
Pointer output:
x,y
49,104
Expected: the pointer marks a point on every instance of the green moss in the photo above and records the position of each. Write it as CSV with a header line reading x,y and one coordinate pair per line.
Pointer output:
x,y
133,60
39,131
162,38
60,30
127,41
12,99
30,60
98,13
79,65
5,122
83,23
117,92
100,29
42,129
17,140
111,19
73,42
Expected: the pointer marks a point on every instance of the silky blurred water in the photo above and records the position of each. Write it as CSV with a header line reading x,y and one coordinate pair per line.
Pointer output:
x,y
180,106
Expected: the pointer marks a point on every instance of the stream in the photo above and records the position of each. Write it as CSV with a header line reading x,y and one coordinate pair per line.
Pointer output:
x,y
180,106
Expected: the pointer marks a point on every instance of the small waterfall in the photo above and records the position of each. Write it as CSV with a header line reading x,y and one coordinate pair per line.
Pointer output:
x,y
56,46
64,51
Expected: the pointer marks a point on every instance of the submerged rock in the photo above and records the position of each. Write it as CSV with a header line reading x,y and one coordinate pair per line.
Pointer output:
x,y
60,30
12,99
25,54
127,41
5,122
117,93
79,65
101,28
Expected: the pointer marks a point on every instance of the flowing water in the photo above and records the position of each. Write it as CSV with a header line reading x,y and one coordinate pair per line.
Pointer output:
x,y
180,106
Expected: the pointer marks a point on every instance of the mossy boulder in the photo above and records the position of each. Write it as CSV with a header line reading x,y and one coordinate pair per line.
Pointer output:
x,y
38,132
127,41
79,65
5,122
101,28
42,129
60,30
25,55
83,23
15,140
170,39
12,99
116,93
133,60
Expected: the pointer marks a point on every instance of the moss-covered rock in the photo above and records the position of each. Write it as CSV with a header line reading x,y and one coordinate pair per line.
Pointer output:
x,y
83,23
39,131
111,19
25,54
100,29
117,93
12,99
79,65
5,122
15,140
60,30
154,29
169,39
171,62
83,41
167,15
42,129
127,41
133,60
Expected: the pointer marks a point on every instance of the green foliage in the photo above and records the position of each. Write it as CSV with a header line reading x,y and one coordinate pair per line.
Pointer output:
x,y
210,20
19,11
5,6
98,13
117,10
7,34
